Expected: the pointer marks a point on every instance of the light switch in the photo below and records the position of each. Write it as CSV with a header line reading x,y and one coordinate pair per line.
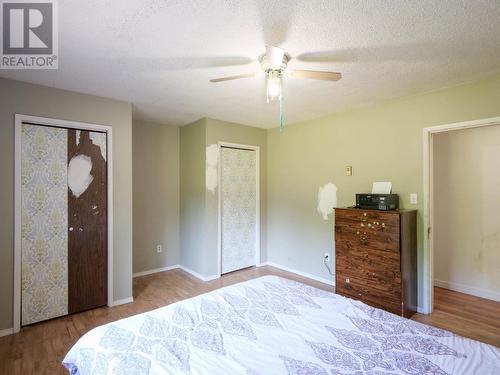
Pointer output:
x,y
413,198
348,170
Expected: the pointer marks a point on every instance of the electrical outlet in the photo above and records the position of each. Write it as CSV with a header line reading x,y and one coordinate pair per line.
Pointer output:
x,y
348,170
326,257
413,198
159,248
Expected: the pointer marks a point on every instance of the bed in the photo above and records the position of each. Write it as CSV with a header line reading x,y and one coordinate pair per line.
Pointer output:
x,y
273,325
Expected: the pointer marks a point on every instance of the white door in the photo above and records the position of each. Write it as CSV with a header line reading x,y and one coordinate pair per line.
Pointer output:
x,y
238,208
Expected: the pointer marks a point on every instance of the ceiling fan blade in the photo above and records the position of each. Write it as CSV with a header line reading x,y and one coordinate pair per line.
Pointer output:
x,y
230,78
275,56
313,74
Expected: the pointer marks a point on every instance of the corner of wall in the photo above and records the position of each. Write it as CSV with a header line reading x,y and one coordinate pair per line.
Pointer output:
x,y
192,139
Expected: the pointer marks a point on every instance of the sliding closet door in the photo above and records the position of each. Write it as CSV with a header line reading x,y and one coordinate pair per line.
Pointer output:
x,y
238,208
63,221
87,220
44,223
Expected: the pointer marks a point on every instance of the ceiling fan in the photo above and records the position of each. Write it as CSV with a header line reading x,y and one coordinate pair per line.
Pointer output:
x,y
274,63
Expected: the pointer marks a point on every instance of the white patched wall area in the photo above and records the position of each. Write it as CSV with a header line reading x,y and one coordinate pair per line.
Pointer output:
x,y
212,162
327,199
79,177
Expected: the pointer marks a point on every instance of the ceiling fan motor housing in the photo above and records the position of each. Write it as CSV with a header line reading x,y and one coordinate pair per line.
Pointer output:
x,y
268,67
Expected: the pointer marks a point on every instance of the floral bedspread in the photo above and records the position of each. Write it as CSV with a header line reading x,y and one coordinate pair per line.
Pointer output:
x,y
273,325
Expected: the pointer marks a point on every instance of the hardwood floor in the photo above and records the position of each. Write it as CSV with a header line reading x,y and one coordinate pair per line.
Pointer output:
x,y
40,348
465,315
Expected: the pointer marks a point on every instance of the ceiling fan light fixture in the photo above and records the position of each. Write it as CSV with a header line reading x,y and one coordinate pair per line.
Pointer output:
x,y
273,85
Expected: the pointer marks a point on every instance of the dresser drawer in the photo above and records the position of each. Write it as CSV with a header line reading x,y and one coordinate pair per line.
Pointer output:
x,y
389,218
359,234
367,254
382,273
393,307
370,282
369,292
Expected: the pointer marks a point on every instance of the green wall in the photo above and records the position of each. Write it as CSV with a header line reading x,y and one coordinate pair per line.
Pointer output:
x,y
382,143
192,196
155,157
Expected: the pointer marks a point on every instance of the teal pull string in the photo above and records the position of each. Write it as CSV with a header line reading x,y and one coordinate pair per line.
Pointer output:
x,y
281,113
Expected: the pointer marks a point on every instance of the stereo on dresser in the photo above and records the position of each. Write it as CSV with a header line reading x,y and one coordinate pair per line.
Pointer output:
x,y
383,202
376,258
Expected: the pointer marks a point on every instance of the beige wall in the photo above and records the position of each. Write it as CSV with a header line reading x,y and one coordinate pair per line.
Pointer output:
x,y
382,143
192,196
28,99
466,205
156,195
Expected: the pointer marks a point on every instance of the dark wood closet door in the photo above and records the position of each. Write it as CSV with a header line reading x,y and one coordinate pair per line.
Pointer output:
x,y
87,224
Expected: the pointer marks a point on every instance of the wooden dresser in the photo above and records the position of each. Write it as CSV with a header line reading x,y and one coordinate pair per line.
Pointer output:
x,y
376,258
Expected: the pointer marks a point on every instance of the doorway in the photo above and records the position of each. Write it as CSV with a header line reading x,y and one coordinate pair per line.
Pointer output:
x,y
474,193
239,207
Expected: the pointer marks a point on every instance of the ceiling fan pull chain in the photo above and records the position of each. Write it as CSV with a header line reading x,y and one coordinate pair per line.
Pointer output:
x,y
281,113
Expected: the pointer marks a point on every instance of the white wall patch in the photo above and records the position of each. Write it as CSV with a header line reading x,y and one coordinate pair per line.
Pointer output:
x,y
327,199
212,161
79,177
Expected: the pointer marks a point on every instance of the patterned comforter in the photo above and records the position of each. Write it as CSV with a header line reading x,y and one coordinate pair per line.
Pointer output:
x,y
272,325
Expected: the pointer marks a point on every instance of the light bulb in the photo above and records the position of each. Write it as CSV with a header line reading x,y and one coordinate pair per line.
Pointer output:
x,y
273,86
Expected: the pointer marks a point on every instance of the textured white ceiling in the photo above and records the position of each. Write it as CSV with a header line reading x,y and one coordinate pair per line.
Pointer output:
x,y
160,54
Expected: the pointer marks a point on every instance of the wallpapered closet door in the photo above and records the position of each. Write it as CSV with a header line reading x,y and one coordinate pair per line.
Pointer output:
x,y
63,221
239,208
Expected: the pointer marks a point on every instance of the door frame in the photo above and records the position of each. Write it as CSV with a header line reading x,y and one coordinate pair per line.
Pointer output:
x,y
219,199
428,162
44,121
